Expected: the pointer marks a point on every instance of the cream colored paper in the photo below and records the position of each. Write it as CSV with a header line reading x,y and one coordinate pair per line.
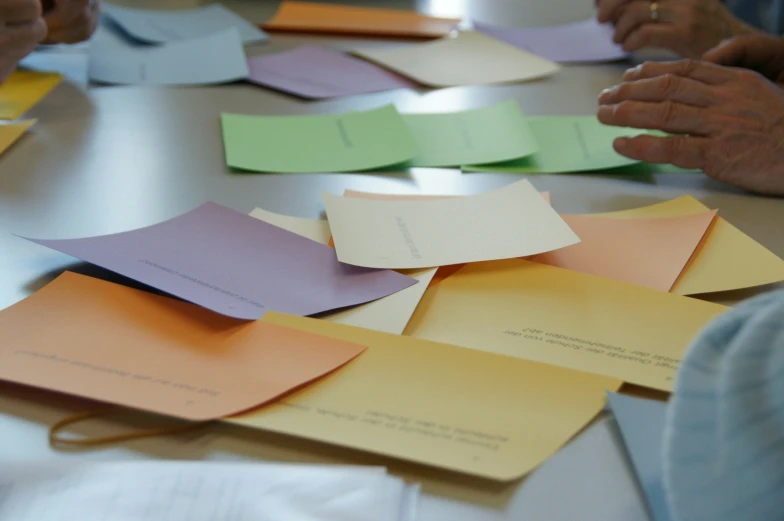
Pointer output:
x,y
513,221
470,58
314,229
389,314
727,258
565,318
459,409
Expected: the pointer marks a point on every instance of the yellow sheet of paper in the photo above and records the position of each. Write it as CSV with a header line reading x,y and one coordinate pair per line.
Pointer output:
x,y
458,409
512,221
726,259
23,89
314,229
11,132
389,314
470,58
565,318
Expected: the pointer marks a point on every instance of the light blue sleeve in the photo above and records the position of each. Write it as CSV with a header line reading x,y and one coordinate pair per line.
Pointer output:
x,y
724,434
767,15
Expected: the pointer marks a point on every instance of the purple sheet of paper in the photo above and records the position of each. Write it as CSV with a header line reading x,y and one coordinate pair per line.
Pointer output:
x,y
581,42
235,265
317,73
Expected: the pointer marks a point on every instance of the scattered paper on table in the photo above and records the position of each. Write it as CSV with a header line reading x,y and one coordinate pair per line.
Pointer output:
x,y
584,41
167,26
314,229
513,221
727,258
213,59
11,132
641,423
235,265
647,252
389,314
107,342
310,17
319,73
23,89
347,142
463,410
565,318
469,58
499,132
175,490
567,144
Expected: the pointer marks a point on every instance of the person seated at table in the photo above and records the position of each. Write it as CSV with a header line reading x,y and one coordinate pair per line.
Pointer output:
x,y
724,433
688,27
24,25
725,114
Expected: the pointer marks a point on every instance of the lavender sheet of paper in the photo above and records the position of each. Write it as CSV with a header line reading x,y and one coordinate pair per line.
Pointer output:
x,y
587,41
235,265
318,73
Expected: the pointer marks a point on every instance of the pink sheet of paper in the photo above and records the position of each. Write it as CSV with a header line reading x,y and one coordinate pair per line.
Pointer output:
x,y
646,252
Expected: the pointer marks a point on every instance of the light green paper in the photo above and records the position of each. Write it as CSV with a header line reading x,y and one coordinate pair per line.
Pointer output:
x,y
347,142
491,134
567,144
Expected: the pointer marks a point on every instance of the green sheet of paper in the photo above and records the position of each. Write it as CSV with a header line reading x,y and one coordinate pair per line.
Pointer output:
x,y
487,135
567,144
348,142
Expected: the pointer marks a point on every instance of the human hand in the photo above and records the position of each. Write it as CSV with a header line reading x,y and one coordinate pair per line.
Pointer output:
x,y
728,122
761,53
71,21
21,29
688,27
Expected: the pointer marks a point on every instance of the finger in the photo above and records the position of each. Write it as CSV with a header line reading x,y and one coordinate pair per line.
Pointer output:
x,y
22,38
20,11
633,15
662,88
608,10
66,12
705,72
663,35
669,116
681,151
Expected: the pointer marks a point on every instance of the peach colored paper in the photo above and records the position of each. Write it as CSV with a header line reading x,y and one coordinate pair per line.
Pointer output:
x,y
443,272
107,342
307,17
647,252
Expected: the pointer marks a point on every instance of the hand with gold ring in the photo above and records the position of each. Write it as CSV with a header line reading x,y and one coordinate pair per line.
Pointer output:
x,y
71,21
688,27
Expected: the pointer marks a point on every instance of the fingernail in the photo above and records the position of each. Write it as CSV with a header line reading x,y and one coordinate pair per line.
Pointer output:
x,y
620,142
631,73
605,111
607,94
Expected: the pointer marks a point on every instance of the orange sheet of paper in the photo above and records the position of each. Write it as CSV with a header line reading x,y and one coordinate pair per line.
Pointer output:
x,y
646,252
306,17
103,341
443,272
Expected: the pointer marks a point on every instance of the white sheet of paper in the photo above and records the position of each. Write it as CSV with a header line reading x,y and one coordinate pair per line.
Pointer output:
x,y
470,58
218,58
389,314
513,221
313,229
157,26
211,491
72,65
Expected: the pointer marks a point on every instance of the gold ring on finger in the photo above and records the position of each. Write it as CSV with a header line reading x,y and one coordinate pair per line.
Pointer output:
x,y
654,11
